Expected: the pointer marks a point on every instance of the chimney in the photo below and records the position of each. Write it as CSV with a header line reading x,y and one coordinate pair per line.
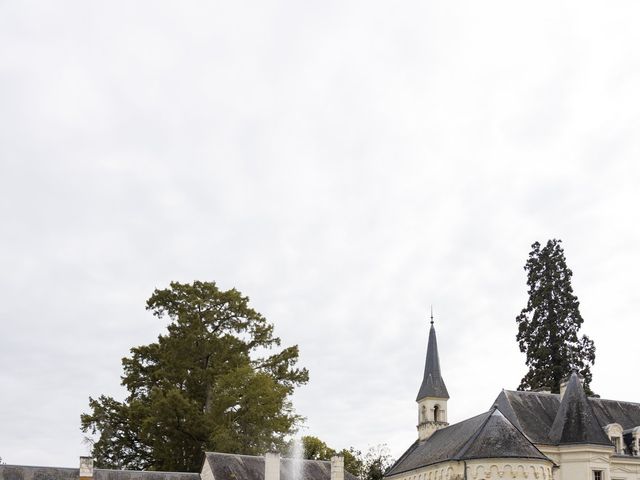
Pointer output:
x,y
86,468
272,466
337,467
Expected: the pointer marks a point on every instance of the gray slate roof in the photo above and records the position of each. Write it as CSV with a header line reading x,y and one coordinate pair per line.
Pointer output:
x,y
532,412
432,382
575,421
627,414
227,466
535,412
20,472
489,435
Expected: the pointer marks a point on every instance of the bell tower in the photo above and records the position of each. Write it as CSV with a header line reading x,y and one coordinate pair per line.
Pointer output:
x,y
432,396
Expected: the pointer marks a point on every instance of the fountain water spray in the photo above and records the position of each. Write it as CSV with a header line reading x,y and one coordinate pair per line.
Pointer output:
x,y
296,457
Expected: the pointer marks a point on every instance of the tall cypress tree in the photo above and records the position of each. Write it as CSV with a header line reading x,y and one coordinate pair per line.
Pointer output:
x,y
548,326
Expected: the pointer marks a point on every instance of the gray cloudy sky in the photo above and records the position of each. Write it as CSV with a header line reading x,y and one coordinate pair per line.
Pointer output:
x,y
345,164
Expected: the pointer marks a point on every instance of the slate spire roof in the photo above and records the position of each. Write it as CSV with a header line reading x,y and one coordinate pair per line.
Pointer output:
x,y
489,435
575,421
432,382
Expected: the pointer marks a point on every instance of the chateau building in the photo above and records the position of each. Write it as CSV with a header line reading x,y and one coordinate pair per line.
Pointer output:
x,y
524,435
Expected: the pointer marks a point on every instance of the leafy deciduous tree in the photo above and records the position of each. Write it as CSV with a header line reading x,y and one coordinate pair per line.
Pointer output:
x,y
212,382
376,461
548,326
316,449
353,461
370,466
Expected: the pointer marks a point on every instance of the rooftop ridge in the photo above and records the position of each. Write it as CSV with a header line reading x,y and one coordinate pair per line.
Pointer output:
x,y
37,466
253,456
613,400
75,469
529,392
590,398
143,471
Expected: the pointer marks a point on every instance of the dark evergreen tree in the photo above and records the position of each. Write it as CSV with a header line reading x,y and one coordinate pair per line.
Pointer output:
x,y
548,326
211,382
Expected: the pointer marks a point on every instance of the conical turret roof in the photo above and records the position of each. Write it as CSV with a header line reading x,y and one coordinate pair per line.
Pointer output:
x,y
575,421
432,382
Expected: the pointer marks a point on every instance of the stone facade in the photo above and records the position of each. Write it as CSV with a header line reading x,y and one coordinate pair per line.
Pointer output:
x,y
481,469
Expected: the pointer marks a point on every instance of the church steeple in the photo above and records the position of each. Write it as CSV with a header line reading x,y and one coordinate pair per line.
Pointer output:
x,y
433,395
432,382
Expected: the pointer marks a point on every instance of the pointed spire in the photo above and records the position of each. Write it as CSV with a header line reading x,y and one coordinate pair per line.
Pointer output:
x,y
575,421
432,382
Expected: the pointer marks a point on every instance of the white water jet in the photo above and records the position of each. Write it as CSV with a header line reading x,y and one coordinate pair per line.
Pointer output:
x,y
297,452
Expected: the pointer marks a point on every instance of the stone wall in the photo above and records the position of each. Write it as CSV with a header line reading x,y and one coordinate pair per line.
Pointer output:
x,y
489,469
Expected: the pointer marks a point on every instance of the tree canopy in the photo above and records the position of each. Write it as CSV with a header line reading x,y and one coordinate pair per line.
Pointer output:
x,y
316,449
216,380
548,326
370,466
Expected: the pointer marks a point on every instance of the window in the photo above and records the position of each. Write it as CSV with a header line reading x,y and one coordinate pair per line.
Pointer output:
x,y
435,413
597,475
617,443
423,416
614,432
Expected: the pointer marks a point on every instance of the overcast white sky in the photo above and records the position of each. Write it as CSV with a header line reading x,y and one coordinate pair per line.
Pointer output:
x,y
345,164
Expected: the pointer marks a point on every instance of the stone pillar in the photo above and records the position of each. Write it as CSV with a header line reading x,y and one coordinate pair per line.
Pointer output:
x,y
337,467
86,468
272,466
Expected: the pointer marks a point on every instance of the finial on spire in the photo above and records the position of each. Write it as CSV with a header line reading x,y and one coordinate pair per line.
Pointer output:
x,y
431,314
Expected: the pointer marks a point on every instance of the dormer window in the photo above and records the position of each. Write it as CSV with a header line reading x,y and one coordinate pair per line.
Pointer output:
x,y
617,443
614,432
